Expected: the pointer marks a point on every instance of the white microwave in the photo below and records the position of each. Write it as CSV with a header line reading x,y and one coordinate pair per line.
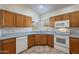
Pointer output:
x,y
64,23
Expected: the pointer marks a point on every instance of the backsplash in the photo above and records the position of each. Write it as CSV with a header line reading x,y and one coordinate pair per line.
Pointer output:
x,y
14,30
74,30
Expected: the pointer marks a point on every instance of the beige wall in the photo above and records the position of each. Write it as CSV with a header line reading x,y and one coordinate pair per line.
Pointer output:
x,y
61,11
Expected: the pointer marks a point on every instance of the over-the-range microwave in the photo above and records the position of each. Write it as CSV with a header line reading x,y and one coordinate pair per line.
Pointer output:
x,y
64,23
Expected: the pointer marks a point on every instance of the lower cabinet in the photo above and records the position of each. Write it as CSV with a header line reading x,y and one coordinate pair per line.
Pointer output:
x,y
31,41
74,45
40,40
44,39
50,40
0,46
9,46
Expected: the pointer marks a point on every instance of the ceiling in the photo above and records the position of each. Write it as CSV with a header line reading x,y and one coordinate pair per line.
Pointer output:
x,y
46,7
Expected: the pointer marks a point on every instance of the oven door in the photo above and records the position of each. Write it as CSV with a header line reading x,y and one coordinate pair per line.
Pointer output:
x,y
61,40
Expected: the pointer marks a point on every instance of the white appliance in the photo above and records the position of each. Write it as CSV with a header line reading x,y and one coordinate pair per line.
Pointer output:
x,y
61,42
64,23
21,44
61,37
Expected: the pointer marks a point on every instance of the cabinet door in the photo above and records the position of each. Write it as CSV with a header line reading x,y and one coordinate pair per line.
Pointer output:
x,y
1,18
74,45
0,46
58,18
38,39
9,46
8,19
28,21
50,40
74,19
20,20
43,39
62,17
31,40
66,16
52,22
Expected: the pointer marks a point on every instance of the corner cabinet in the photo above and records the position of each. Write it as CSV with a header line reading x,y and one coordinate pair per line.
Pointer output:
x,y
7,19
74,45
51,21
50,40
31,40
40,40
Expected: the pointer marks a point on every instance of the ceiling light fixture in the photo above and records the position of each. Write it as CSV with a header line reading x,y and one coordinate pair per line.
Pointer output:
x,y
41,6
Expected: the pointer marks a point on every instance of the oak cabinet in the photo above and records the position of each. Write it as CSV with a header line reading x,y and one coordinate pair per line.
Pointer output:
x,y
52,21
66,16
74,45
23,21
28,21
20,20
50,40
31,40
38,39
7,19
44,39
10,19
9,46
62,17
41,39
0,46
58,18
74,19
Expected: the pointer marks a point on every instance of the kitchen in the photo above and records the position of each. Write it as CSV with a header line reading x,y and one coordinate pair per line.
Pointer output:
x,y
52,29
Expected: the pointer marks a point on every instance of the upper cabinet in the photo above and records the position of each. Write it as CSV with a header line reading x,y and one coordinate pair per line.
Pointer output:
x,y
10,19
52,21
28,21
58,18
7,19
20,20
73,17
62,17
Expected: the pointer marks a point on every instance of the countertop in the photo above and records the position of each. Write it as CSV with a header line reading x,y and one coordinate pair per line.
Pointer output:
x,y
15,35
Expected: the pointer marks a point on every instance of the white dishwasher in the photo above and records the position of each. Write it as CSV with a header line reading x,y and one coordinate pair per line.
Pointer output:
x,y
21,44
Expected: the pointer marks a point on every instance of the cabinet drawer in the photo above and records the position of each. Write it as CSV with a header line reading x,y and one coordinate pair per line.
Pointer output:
x,y
9,40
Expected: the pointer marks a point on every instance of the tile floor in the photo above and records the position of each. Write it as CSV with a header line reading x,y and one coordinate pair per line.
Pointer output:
x,y
42,50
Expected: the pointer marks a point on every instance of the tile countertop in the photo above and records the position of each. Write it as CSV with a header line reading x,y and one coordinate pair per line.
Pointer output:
x,y
12,35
